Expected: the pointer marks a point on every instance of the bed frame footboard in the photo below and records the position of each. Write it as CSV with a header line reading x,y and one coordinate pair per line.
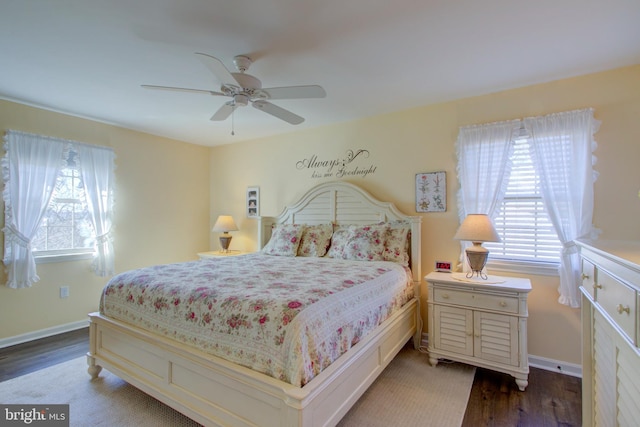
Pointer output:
x,y
215,392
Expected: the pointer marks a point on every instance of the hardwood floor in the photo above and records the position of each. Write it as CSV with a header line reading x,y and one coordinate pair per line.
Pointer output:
x,y
24,358
551,399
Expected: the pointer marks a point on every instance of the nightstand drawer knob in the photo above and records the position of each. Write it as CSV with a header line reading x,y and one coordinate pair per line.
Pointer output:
x,y
622,309
597,286
503,304
445,296
585,276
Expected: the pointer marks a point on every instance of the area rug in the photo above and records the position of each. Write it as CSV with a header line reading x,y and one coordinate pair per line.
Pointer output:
x,y
408,393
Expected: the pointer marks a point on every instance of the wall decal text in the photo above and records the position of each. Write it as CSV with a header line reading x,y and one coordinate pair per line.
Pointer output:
x,y
338,167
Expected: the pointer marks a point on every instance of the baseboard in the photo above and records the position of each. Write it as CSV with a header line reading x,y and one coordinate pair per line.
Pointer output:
x,y
552,365
43,333
560,367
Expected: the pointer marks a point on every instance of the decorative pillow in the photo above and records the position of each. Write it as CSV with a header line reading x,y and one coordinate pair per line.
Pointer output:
x,y
315,240
396,247
366,243
338,240
285,240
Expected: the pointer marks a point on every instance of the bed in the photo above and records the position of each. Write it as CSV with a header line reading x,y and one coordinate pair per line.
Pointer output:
x,y
179,370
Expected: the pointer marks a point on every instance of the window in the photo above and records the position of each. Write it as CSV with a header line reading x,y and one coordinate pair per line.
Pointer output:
x,y
518,181
526,232
58,204
66,228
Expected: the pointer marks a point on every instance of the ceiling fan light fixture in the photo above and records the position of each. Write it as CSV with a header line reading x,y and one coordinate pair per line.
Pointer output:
x,y
241,100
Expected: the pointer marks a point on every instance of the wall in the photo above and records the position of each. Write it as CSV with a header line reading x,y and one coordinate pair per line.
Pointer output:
x,y
422,140
161,216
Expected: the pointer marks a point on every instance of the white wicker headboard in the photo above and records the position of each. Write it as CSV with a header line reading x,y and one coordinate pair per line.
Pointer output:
x,y
343,203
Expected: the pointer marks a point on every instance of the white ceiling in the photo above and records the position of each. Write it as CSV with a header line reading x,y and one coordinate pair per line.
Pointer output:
x,y
89,57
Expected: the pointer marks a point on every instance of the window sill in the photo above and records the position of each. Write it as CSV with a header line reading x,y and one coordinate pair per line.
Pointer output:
x,y
45,259
536,268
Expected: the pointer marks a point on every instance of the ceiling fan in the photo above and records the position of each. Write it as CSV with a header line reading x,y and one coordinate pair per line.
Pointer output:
x,y
244,88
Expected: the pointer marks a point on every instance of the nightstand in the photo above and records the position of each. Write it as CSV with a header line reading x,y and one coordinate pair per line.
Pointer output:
x,y
480,322
218,254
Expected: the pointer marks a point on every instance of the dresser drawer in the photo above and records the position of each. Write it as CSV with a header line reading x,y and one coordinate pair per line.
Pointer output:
x,y
477,300
588,278
619,301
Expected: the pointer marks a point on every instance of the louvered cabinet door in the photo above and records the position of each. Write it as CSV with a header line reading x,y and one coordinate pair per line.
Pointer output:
x,y
454,328
616,378
496,337
604,373
628,383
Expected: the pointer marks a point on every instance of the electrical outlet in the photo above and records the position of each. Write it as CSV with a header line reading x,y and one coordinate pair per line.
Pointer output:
x,y
64,291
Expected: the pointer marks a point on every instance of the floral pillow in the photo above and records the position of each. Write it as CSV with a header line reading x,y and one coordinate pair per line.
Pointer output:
x,y
338,240
315,240
366,243
285,240
396,247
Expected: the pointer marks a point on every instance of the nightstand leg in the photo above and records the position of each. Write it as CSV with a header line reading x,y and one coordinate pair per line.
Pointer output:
x,y
433,360
522,383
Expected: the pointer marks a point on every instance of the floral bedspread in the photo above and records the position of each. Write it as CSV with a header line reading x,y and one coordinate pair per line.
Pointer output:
x,y
285,317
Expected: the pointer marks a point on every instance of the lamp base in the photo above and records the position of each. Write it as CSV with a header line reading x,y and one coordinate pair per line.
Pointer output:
x,y
225,241
477,256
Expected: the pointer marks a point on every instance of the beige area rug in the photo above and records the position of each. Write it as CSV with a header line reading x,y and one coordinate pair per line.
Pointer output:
x,y
408,393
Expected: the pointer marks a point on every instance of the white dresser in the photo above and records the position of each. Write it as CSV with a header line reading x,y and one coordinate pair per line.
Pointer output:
x,y
610,327
482,324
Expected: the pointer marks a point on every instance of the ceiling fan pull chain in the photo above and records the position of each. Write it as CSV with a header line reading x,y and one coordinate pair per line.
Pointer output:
x,y
233,121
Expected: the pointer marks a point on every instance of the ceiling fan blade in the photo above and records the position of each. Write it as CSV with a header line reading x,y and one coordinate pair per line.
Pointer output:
x,y
278,112
218,69
295,92
223,112
183,89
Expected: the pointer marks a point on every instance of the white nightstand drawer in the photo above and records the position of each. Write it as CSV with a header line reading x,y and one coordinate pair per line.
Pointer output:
x,y
619,301
477,300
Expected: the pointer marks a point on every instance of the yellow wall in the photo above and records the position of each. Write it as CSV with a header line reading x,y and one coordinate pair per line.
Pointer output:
x,y
422,140
161,216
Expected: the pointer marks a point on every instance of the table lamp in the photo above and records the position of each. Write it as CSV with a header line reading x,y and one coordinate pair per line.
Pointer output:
x,y
223,225
477,228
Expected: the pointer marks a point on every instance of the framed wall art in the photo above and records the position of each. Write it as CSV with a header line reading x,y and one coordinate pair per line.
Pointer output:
x,y
431,192
253,202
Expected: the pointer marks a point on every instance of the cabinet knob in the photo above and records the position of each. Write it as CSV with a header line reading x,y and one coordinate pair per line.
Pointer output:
x,y
622,309
597,286
445,296
585,276
503,304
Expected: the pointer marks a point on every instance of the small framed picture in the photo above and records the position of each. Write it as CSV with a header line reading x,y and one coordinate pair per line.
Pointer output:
x,y
431,192
253,202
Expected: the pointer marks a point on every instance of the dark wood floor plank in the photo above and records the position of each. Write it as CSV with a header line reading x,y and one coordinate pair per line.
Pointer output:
x,y
551,399
29,357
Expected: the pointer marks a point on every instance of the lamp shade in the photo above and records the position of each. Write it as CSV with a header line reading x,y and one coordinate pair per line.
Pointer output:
x,y
477,228
224,223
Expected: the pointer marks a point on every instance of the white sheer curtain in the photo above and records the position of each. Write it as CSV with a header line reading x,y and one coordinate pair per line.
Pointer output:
x,y
97,171
484,163
30,169
562,154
